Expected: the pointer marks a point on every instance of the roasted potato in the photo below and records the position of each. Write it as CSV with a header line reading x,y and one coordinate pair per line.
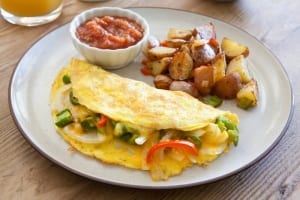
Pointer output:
x,y
159,52
173,43
214,44
159,66
185,48
195,62
185,87
219,65
175,33
248,96
228,86
181,66
202,53
233,49
162,81
239,64
151,43
204,79
205,32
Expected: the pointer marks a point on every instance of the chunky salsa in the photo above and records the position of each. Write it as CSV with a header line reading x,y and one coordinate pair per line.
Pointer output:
x,y
110,32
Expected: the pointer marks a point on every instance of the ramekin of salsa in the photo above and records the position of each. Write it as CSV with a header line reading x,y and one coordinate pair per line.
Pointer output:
x,y
109,36
110,32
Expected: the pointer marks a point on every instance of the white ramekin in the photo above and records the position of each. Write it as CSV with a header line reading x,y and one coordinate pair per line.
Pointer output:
x,y
108,58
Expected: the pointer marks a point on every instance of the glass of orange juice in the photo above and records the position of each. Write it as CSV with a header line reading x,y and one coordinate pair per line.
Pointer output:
x,y
30,12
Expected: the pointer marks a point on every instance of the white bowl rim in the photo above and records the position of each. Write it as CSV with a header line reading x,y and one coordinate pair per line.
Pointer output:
x,y
97,12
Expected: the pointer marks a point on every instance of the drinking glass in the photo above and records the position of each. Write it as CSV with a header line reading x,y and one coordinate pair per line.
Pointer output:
x,y
30,12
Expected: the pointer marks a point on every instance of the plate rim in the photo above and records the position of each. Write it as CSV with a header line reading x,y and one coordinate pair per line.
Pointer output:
x,y
215,179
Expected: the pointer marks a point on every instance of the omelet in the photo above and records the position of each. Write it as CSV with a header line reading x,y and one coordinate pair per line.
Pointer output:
x,y
132,124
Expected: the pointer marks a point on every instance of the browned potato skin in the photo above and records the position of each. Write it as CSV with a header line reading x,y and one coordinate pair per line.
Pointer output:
x,y
162,81
239,64
204,79
159,52
159,66
219,64
193,61
228,86
175,33
174,43
151,43
181,66
185,87
202,54
206,32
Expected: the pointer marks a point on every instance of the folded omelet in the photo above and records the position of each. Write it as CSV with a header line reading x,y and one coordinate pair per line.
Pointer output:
x,y
130,123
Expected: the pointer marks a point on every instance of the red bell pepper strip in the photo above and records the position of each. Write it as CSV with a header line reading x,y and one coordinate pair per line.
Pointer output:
x,y
146,71
102,121
144,61
164,43
214,42
181,144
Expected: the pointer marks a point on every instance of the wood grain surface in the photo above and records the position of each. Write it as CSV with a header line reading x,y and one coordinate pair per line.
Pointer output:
x,y
26,174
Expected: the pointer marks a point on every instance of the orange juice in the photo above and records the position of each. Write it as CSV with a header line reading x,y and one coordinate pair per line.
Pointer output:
x,y
29,8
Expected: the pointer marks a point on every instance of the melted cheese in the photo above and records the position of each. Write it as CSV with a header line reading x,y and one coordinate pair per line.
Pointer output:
x,y
144,108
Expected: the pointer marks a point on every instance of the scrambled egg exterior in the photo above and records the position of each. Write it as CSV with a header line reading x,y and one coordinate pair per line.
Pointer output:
x,y
145,109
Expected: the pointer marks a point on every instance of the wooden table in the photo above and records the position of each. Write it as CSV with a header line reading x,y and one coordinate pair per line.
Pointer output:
x,y
25,174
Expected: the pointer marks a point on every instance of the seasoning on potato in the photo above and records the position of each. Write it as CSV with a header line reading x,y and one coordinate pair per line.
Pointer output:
x,y
193,61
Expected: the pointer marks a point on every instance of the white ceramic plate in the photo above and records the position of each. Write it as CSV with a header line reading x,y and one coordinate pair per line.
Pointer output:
x,y
260,128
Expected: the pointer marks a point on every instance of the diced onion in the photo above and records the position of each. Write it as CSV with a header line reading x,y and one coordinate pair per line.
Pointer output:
x,y
59,99
87,137
213,150
140,140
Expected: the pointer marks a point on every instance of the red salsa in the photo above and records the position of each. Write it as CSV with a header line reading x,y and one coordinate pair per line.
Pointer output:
x,y
110,32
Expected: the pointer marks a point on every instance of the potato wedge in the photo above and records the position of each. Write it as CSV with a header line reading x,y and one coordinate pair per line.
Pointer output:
x,y
204,79
185,48
202,53
162,81
239,64
206,31
233,49
159,52
228,86
175,33
174,43
151,43
159,66
247,97
219,65
185,87
181,66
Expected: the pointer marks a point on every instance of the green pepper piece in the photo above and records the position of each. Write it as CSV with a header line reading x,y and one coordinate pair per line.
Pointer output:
x,y
125,133
221,125
73,99
119,129
113,123
63,118
100,130
196,140
129,137
227,122
233,136
88,123
214,101
66,79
